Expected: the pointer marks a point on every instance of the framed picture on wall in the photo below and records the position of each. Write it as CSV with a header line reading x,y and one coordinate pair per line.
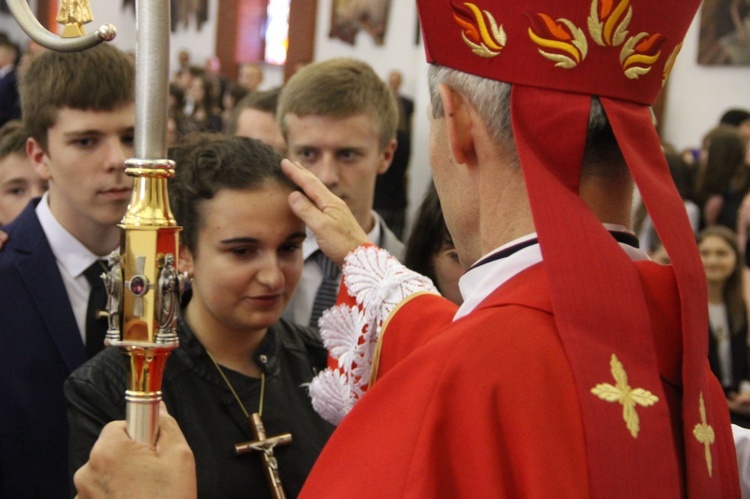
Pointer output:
x,y
184,12
724,32
350,16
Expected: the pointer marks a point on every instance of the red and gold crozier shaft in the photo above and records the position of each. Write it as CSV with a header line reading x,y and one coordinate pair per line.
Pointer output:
x,y
144,327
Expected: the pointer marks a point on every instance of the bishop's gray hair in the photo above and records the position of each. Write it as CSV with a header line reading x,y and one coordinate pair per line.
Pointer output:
x,y
491,99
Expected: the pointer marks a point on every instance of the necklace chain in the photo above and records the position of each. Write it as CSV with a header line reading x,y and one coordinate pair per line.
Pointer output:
x,y
231,388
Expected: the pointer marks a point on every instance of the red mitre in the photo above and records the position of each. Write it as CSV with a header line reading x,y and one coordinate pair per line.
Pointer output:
x,y
557,54
622,50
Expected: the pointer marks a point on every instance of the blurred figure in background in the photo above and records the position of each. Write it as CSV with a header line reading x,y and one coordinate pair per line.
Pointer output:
x,y
178,125
232,95
255,117
200,106
218,81
10,105
183,59
739,118
19,182
735,117
392,186
250,76
32,49
430,250
722,178
682,174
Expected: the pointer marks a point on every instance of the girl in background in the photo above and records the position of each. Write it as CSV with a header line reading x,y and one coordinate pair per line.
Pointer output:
x,y
430,249
728,349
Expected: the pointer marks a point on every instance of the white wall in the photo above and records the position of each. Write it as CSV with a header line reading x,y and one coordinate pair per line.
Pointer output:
x,y
398,52
699,95
201,44
11,28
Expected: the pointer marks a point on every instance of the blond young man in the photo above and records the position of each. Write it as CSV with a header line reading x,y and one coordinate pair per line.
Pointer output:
x,y
339,120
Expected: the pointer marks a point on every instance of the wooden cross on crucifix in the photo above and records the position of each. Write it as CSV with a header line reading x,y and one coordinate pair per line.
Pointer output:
x,y
265,445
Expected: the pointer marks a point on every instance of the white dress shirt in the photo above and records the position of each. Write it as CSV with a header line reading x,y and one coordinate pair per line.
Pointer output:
x,y
72,259
300,308
477,283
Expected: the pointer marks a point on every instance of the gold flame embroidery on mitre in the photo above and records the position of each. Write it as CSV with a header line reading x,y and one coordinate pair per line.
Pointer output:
x,y
639,53
566,44
479,30
608,24
563,41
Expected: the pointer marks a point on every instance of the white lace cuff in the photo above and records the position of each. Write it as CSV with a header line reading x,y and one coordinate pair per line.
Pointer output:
x,y
378,282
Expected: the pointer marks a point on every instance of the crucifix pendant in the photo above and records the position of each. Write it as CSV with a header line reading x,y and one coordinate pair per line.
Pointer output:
x,y
265,445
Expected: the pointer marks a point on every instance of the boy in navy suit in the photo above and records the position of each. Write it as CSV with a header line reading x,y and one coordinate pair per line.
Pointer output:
x,y
78,110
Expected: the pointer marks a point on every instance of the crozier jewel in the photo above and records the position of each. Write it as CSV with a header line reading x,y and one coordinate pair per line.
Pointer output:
x,y
138,285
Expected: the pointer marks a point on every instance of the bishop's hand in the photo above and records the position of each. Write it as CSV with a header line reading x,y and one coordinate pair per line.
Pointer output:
x,y
337,231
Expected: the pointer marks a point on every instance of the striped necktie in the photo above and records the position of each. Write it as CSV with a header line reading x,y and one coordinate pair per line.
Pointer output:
x,y
329,288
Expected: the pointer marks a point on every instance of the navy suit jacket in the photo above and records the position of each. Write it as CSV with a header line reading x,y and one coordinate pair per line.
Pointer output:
x,y
40,345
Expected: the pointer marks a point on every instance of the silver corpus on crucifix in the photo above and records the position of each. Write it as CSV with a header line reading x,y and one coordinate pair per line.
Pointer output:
x,y
266,445
143,285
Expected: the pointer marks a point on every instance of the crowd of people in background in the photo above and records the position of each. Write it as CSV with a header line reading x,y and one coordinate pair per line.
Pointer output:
x,y
714,183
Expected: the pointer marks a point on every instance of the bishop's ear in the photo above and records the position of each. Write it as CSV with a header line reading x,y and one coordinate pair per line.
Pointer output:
x,y
459,122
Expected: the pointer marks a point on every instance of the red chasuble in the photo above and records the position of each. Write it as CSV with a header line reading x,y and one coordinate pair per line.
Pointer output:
x,y
487,406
